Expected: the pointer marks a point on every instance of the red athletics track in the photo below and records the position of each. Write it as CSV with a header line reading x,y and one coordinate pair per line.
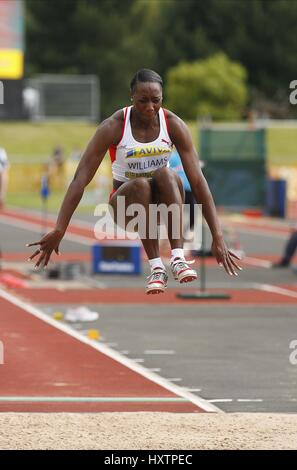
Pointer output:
x,y
87,229
44,361
48,367
80,229
83,256
138,296
84,233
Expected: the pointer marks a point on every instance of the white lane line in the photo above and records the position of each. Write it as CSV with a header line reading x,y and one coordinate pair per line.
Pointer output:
x,y
159,351
79,223
175,379
189,389
240,400
221,400
36,227
75,222
249,260
262,232
85,240
155,369
82,239
138,360
277,290
259,231
91,399
53,218
256,262
249,400
104,349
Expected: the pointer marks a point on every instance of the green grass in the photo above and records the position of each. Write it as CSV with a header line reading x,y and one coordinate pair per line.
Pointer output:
x,y
35,141
282,146
30,200
33,201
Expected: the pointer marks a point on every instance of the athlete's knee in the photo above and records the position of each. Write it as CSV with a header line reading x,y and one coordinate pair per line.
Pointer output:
x,y
165,177
164,174
139,188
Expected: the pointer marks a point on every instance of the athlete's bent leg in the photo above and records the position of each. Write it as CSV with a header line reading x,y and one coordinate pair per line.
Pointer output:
x,y
139,191
170,192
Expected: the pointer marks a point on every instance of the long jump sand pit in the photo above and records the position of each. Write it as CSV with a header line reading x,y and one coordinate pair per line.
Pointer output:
x,y
148,430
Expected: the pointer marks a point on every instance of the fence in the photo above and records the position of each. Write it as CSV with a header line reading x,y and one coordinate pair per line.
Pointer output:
x,y
235,164
62,97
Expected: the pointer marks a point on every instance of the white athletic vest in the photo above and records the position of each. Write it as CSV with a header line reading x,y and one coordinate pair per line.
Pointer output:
x,y
131,159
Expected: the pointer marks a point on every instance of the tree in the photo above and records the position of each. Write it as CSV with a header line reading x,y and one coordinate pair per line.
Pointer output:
x,y
108,38
214,87
114,38
260,34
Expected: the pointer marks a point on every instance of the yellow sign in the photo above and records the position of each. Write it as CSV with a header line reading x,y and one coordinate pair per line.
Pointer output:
x,y
11,64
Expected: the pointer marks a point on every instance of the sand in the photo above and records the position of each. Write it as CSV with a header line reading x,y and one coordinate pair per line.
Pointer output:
x,y
148,430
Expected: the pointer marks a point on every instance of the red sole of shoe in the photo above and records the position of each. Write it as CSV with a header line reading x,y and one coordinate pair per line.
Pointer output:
x,y
158,291
188,279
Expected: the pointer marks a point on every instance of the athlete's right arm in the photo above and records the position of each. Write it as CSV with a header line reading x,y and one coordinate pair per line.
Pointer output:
x,y
107,134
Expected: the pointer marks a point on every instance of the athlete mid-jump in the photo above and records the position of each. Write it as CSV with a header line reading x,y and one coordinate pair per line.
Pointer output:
x,y
140,139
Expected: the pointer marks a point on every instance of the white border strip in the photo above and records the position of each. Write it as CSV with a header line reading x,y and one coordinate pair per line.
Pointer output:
x,y
261,232
53,218
238,226
277,290
36,227
82,239
256,262
27,399
196,400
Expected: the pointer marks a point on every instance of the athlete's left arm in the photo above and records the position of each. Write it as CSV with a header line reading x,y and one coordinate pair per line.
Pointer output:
x,y
181,137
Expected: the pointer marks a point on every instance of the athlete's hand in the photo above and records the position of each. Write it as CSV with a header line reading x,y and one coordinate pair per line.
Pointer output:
x,y
49,243
225,257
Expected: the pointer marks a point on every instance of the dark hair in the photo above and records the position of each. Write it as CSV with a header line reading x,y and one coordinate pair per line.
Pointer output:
x,y
145,75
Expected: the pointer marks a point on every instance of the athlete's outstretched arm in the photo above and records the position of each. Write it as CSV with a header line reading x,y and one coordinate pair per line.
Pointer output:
x,y
181,138
107,134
